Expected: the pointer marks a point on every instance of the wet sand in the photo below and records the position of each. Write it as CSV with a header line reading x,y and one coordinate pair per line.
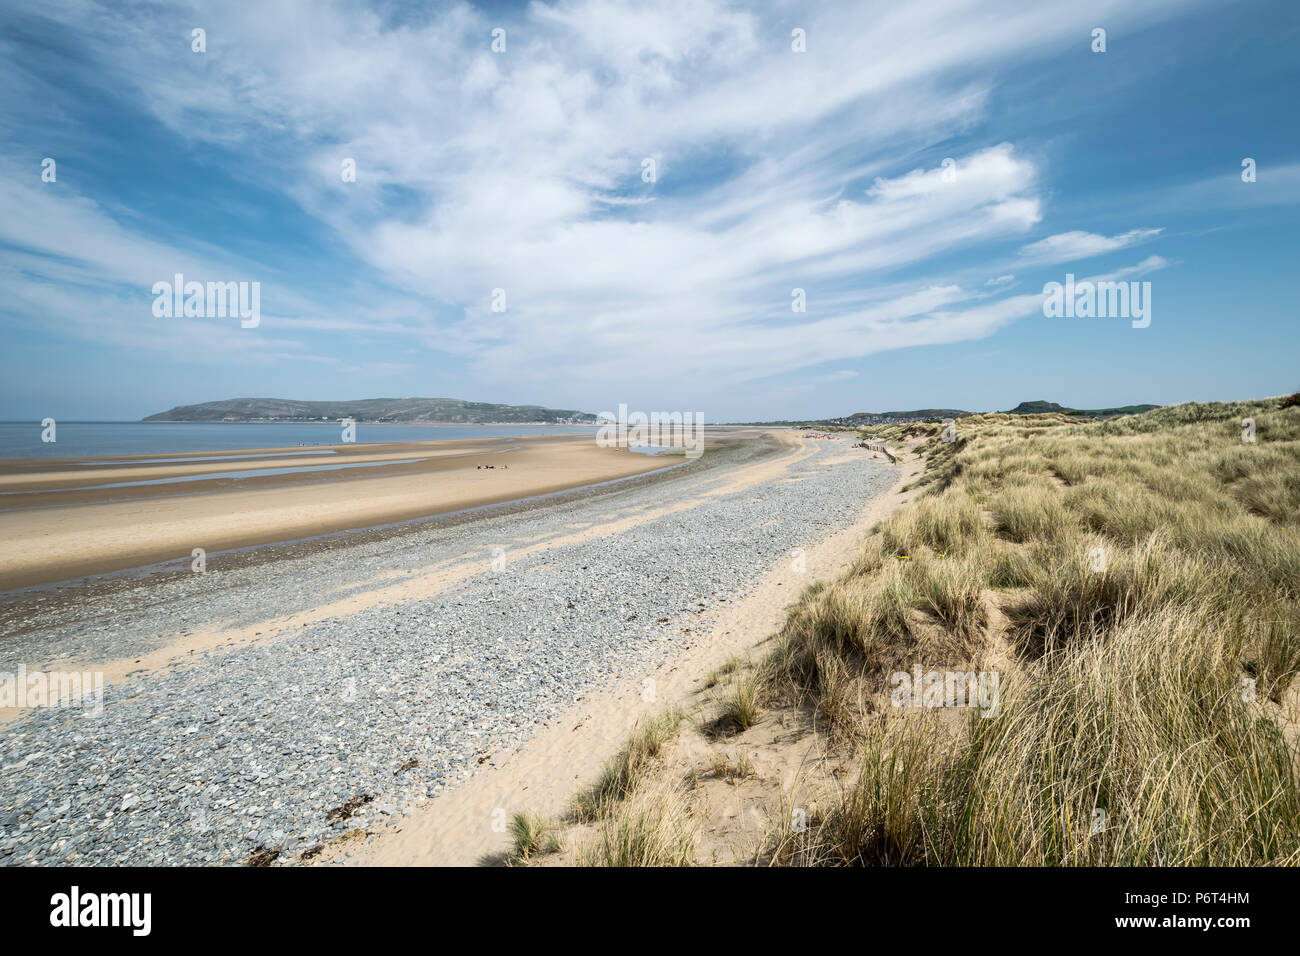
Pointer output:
x,y
67,518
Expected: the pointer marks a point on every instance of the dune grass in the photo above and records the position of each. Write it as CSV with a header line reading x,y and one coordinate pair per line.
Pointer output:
x,y
739,705
621,777
531,835
1148,568
653,829
1133,583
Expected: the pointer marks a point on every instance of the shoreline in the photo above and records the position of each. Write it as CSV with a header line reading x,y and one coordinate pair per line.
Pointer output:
x,y
63,523
252,555
394,667
71,605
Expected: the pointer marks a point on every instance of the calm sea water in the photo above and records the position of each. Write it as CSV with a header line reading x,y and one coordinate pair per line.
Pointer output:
x,y
74,439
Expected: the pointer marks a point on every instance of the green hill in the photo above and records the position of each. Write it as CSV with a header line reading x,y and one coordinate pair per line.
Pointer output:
x,y
413,410
1045,408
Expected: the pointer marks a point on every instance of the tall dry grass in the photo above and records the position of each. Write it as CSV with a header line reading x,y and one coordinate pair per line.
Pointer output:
x,y
623,776
1147,572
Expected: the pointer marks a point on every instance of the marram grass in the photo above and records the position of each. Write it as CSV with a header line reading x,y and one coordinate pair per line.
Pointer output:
x,y
1148,568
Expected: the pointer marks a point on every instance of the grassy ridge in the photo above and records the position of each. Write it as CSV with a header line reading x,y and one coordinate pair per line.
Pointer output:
x,y
415,410
1135,583
1042,408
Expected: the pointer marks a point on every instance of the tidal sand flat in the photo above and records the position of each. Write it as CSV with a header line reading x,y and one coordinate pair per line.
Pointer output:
x,y
368,679
65,518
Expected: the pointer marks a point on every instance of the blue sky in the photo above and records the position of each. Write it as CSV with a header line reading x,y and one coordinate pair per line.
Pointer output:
x,y
522,170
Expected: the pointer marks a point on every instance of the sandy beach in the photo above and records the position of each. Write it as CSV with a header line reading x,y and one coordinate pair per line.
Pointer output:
x,y
380,671
62,519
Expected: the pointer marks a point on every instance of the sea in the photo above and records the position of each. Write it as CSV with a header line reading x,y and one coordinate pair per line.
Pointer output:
x,y
77,439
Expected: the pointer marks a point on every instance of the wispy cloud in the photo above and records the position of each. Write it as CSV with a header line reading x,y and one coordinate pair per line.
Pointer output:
x,y
1069,246
1145,267
522,171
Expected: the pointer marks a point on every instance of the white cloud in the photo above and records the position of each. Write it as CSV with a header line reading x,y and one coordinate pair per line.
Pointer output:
x,y
522,171
1145,267
1068,246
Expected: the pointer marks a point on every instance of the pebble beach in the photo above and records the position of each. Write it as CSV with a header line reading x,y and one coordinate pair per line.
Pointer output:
x,y
271,749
